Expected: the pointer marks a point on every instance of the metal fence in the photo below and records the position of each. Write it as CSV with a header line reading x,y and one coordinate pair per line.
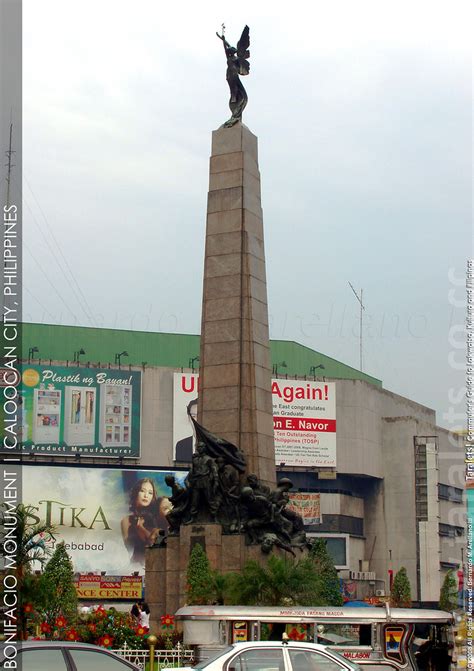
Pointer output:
x,y
178,656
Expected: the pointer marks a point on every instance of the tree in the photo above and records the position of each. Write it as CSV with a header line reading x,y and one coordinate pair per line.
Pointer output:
x,y
33,541
33,546
448,598
400,596
200,580
329,589
281,582
60,592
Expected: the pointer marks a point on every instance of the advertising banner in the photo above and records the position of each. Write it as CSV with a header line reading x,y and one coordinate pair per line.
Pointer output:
x,y
86,411
105,517
308,505
304,420
99,587
185,399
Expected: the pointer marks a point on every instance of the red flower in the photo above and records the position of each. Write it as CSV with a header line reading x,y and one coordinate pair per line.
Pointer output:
x,y
72,635
167,620
45,628
28,608
105,641
141,631
60,622
91,627
100,611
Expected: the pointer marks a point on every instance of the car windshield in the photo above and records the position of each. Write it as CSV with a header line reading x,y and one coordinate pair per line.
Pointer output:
x,y
219,653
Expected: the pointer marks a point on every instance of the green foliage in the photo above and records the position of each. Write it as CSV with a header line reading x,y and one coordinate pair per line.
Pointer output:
x,y
33,544
400,596
200,579
281,582
448,598
329,590
59,596
33,540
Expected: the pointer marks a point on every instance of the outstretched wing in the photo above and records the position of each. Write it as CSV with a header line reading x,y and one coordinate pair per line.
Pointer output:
x,y
243,44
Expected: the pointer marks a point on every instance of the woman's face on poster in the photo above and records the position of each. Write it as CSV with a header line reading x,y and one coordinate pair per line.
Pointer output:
x,y
145,494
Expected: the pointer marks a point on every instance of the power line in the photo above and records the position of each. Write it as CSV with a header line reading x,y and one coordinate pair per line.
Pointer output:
x,y
49,281
88,316
88,312
38,301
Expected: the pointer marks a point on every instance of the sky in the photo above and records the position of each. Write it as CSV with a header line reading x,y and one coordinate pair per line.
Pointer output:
x,y
363,117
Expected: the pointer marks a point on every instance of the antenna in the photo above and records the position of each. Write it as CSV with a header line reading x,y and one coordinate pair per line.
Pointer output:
x,y
10,165
360,320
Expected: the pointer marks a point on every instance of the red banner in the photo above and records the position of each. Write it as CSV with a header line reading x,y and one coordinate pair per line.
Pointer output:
x,y
304,424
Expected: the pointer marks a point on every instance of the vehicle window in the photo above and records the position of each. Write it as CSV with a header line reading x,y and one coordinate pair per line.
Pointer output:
x,y
44,659
211,658
85,660
258,659
307,660
344,634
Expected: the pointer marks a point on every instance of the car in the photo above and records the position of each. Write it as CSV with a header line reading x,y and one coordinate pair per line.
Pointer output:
x,y
274,656
67,656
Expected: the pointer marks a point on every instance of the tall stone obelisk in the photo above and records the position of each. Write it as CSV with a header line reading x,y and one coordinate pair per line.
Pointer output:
x,y
235,400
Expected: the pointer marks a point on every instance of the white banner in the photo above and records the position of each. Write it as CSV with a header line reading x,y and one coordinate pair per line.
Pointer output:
x,y
304,420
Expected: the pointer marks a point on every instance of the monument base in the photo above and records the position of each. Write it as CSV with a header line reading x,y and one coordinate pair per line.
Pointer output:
x,y
166,567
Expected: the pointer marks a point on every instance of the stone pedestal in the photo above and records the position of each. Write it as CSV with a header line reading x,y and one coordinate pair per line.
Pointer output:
x,y
166,567
235,399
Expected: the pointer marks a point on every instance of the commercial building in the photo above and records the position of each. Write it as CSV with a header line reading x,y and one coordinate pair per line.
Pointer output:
x,y
388,481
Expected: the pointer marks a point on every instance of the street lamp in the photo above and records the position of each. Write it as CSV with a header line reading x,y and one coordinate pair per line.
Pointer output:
x,y
31,352
282,364
119,355
313,369
78,354
193,361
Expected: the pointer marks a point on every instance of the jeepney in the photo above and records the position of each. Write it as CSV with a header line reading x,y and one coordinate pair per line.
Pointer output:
x,y
384,638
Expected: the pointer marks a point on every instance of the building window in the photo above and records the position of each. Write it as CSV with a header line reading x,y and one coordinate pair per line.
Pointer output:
x,y
449,493
337,546
450,530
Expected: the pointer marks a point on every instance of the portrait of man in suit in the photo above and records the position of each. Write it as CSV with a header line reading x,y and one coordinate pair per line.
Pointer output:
x,y
184,447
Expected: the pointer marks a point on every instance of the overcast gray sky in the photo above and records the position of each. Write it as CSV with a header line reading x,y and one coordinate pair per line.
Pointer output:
x,y
363,115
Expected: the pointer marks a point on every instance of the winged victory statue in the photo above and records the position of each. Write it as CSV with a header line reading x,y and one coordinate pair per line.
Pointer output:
x,y
237,64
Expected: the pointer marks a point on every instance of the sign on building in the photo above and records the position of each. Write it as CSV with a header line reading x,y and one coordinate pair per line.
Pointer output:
x,y
304,420
105,517
86,411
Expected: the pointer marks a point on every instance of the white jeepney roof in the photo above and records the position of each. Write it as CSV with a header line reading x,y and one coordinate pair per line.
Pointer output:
x,y
308,614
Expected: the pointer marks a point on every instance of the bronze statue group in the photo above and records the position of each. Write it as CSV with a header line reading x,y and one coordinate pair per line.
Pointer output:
x,y
217,491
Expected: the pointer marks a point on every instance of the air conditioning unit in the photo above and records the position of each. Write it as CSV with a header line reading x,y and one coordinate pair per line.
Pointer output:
x,y
379,592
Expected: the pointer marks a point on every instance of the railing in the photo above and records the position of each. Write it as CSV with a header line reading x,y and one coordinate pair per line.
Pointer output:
x,y
178,656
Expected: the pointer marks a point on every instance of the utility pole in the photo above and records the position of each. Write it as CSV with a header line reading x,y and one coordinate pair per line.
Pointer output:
x,y
359,298
9,165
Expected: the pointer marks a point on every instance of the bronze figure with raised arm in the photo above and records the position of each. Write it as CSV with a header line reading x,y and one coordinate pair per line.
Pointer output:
x,y
237,64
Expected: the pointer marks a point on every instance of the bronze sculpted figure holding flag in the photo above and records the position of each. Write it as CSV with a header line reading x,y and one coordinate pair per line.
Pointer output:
x,y
237,64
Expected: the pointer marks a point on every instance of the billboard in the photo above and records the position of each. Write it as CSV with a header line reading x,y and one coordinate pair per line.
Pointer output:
x,y
304,420
308,505
185,399
105,516
85,411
